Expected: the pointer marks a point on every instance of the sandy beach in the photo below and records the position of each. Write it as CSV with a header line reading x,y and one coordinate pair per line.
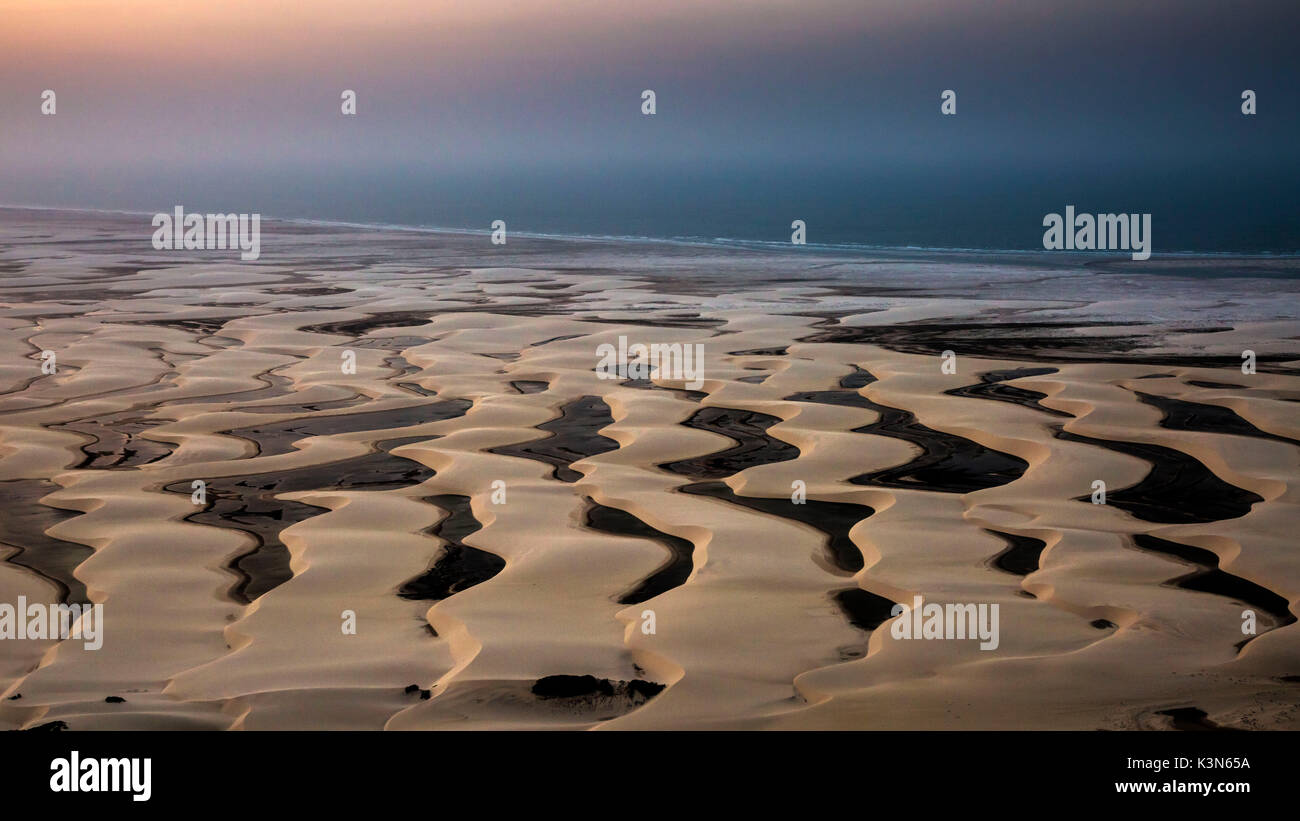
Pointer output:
x,y
410,432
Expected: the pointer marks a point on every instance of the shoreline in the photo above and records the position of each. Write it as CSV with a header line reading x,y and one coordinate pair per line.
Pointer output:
x,y
723,243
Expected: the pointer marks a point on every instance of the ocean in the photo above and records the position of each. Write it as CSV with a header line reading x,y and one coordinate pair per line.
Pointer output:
x,y
1247,210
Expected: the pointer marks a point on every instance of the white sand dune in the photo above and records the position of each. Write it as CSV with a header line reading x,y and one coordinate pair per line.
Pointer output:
x,y
233,375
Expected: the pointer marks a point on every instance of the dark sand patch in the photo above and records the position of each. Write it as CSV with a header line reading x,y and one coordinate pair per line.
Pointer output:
x,y
23,527
748,429
781,351
250,504
1180,414
607,698
833,519
1030,341
672,573
646,384
574,435
948,463
530,385
458,566
117,442
1228,386
278,437
864,609
359,327
990,387
1022,554
1191,719
1177,490
1209,578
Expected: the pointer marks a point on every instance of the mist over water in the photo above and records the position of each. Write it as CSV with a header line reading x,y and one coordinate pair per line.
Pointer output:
x,y
826,111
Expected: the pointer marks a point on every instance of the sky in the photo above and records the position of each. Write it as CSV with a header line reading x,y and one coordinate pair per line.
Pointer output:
x,y
532,109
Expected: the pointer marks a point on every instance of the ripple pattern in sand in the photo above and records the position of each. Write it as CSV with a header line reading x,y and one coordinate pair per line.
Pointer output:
x,y
474,530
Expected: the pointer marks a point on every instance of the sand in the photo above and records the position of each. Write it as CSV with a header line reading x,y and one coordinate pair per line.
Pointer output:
x,y
500,521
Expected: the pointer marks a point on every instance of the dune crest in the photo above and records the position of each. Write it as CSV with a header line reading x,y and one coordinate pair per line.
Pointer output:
x,y
424,507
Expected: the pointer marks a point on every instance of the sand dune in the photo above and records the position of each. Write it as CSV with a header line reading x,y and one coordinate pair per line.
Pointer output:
x,y
501,521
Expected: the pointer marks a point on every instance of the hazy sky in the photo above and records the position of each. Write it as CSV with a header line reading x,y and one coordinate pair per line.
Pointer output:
x,y
156,98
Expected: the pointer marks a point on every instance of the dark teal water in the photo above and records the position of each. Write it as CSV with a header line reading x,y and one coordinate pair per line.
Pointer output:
x,y
1235,211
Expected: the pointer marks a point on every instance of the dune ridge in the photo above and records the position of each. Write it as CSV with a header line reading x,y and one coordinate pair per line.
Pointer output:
x,y
502,522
